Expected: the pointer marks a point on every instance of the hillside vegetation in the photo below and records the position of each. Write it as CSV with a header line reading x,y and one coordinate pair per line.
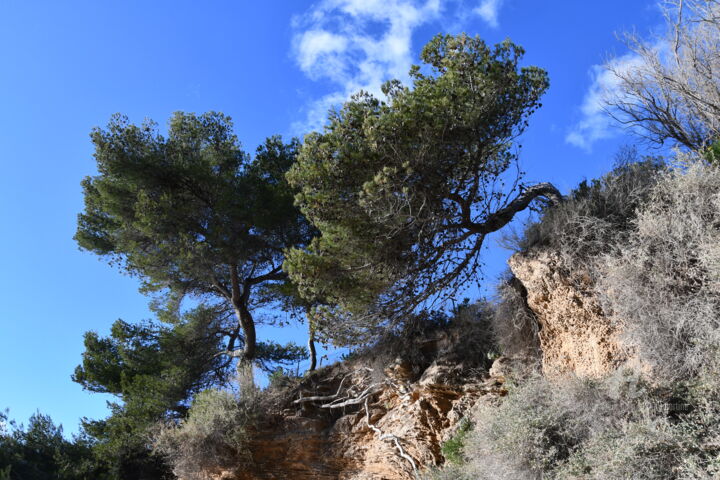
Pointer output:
x,y
599,357
657,277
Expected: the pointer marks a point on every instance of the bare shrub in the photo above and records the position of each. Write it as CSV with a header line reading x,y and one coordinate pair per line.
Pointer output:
x,y
213,437
660,276
472,340
649,448
513,324
671,89
539,427
672,434
597,214
594,218
618,427
664,284
463,337
449,472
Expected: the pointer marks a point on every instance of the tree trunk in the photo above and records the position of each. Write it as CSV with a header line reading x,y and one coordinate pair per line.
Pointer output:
x,y
248,327
239,297
245,375
311,345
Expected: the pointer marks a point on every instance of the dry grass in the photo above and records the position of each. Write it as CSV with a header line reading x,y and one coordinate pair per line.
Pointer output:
x,y
213,436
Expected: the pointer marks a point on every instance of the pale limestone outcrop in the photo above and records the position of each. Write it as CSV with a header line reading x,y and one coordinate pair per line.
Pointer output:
x,y
423,409
576,336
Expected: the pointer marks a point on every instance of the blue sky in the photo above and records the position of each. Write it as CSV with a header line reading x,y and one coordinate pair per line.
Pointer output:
x,y
275,67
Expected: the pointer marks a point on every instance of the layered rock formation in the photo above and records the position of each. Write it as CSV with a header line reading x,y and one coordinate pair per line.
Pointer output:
x,y
384,425
397,434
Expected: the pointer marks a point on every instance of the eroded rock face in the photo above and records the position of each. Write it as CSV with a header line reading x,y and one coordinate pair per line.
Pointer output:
x,y
576,337
309,442
420,409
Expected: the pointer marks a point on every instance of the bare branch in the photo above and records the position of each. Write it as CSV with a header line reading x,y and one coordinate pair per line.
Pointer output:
x,y
671,91
322,398
502,217
368,392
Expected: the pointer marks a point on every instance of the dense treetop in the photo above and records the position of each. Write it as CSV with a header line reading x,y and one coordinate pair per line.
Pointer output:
x,y
404,191
193,213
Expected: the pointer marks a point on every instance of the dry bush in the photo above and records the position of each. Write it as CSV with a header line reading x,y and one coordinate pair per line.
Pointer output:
x,y
594,218
472,341
513,324
670,89
539,427
213,436
618,427
449,472
664,283
651,447
595,215
673,433
463,337
660,276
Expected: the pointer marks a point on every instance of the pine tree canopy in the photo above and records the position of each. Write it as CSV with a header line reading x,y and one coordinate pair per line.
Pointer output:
x,y
404,191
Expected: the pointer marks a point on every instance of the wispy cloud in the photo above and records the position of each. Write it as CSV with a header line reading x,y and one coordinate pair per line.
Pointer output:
x,y
595,123
489,10
359,44
356,45
320,54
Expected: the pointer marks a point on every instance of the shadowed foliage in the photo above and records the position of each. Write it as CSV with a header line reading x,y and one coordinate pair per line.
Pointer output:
x,y
193,213
404,191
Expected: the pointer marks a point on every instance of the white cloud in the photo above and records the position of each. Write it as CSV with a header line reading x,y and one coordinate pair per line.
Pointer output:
x,y
596,124
489,10
357,44
318,48
316,113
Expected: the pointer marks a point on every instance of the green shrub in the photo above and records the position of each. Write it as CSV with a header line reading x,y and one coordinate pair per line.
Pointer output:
x,y
452,449
214,436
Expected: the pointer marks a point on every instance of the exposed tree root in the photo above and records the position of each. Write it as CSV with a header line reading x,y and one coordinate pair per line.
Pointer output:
x,y
393,438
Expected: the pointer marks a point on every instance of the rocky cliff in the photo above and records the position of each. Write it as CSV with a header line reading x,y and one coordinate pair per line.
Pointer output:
x,y
576,336
396,432
353,422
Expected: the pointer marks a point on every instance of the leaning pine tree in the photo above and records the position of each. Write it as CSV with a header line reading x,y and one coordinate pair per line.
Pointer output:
x,y
405,191
192,214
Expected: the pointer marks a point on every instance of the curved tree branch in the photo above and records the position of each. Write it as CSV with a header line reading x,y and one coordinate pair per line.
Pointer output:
x,y
502,217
